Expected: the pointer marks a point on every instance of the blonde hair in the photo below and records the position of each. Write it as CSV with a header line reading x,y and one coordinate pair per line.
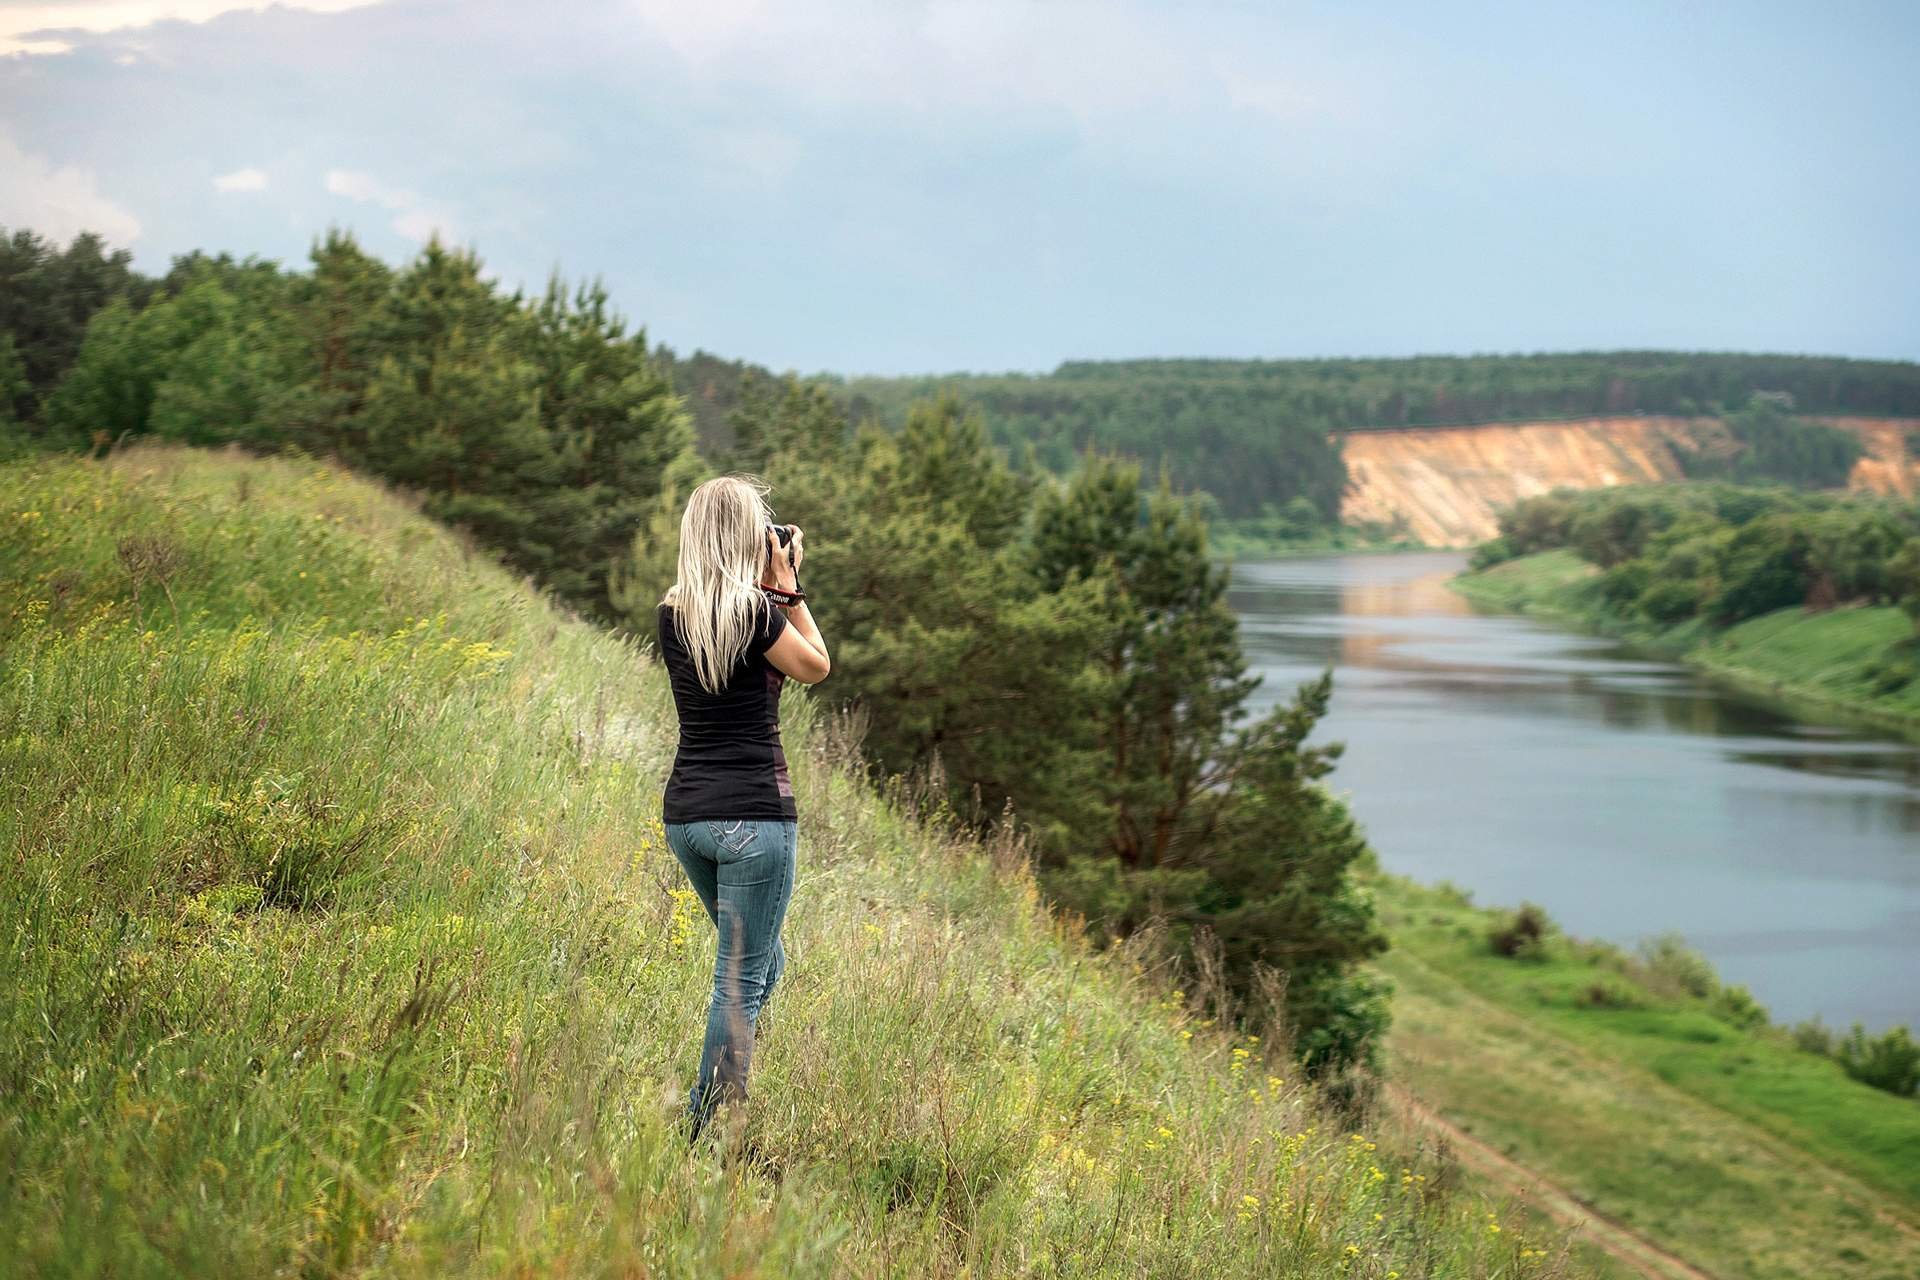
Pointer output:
x,y
717,599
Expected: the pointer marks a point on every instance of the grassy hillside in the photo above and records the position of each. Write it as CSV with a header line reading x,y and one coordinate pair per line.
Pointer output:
x,y
1829,661
342,940
1732,1148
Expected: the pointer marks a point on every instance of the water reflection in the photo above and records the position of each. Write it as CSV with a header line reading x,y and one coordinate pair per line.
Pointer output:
x,y
1628,796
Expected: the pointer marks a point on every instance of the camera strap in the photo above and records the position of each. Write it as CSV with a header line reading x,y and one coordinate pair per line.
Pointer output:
x,y
783,597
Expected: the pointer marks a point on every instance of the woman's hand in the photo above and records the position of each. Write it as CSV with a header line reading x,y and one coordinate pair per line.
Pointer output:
x,y
786,574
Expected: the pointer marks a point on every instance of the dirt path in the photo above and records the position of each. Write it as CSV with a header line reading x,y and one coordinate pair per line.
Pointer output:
x,y
1616,1237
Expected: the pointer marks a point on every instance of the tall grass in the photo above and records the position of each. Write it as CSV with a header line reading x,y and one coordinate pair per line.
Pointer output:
x,y
341,939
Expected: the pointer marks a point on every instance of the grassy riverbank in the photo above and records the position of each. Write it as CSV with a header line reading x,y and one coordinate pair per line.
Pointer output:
x,y
1256,539
343,941
1836,661
1726,1145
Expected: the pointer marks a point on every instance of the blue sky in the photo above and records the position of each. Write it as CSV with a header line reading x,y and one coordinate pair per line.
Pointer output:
x,y
905,187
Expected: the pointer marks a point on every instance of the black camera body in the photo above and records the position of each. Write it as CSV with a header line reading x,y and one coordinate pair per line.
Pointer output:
x,y
784,532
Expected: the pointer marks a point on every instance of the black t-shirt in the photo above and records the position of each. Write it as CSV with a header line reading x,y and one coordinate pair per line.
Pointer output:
x,y
730,763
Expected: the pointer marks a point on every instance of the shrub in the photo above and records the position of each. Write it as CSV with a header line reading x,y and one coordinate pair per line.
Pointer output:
x,y
1671,963
1736,1006
1609,993
1766,569
1490,553
1523,935
1813,1036
1670,600
1625,582
1538,523
1889,675
1890,1061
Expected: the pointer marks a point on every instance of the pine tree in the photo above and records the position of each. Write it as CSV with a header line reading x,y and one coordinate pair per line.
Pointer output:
x,y
337,312
615,428
451,406
1208,825
16,394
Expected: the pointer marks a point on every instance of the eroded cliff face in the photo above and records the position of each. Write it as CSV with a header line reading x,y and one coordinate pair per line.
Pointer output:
x,y
1450,482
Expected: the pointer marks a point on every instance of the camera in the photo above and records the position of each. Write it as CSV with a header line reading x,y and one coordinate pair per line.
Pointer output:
x,y
784,532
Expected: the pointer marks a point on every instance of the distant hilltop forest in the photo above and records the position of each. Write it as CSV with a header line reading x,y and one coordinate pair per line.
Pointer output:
x,y
1255,432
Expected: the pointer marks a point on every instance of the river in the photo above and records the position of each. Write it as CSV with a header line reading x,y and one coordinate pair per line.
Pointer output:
x,y
1625,796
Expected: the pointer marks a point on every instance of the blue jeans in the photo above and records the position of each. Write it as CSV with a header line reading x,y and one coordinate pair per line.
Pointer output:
x,y
743,871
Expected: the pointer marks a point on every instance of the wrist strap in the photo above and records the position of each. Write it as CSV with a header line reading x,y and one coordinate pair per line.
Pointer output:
x,y
783,597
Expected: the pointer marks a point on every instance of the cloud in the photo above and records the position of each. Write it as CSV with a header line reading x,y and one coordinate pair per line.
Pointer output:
x,y
34,27
241,180
417,218
1098,64
756,157
57,203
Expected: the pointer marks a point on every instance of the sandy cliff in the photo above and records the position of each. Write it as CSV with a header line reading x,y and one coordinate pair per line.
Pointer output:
x,y
1450,482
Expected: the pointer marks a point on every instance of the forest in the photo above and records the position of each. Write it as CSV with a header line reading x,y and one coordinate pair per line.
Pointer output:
x,y
1723,553
1255,434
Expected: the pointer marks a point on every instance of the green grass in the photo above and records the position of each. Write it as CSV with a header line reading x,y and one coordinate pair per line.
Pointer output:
x,y
1823,663
1537,583
1243,540
1831,657
1731,1148
341,940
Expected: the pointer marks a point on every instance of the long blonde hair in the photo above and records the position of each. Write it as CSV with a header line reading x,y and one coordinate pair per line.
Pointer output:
x,y
717,598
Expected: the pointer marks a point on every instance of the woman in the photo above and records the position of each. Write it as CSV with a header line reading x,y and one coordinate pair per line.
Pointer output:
x,y
728,810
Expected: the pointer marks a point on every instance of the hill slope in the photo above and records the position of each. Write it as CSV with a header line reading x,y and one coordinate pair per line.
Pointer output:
x,y
1728,1146
1821,662
342,940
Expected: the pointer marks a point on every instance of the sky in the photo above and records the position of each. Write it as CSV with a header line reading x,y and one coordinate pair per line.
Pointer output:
x,y
982,185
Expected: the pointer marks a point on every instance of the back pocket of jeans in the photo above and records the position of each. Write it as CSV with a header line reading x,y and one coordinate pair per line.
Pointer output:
x,y
732,837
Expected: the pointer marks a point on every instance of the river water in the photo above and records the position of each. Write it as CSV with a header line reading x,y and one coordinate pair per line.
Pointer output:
x,y
1625,796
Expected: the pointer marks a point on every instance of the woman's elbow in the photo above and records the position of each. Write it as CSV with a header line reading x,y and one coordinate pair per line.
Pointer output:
x,y
809,668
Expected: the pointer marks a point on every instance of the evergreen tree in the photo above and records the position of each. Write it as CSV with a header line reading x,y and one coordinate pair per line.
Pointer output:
x,y
337,310
791,418
615,428
451,407
15,392
1170,650
48,296
1208,826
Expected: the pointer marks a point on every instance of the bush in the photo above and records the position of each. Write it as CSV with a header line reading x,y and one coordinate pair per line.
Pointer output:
x,y
1346,1017
1736,1006
1671,963
1889,675
1609,993
1490,553
1766,569
1539,523
1813,1036
1625,582
1523,936
1669,600
1890,1061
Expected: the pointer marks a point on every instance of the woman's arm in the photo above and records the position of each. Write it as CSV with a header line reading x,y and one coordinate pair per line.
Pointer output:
x,y
799,652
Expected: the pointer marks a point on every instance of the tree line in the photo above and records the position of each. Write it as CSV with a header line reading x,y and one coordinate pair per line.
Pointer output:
x,y
1056,648
1255,433
1722,553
